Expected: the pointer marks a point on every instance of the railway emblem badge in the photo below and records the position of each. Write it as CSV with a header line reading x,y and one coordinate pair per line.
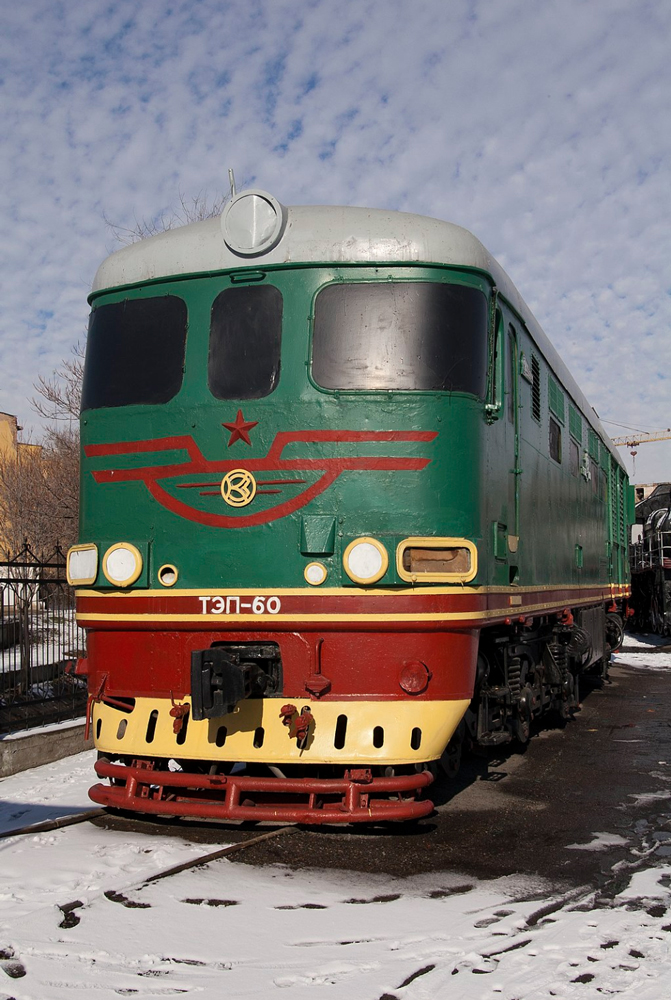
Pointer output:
x,y
238,488
195,487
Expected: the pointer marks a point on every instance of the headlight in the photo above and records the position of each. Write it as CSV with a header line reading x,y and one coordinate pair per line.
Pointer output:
x,y
82,565
365,560
122,564
435,560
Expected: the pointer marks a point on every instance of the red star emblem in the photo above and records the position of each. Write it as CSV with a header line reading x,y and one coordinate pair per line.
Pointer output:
x,y
240,429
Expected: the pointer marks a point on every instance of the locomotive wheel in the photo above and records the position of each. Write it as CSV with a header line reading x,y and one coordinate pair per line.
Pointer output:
x,y
614,632
523,720
450,762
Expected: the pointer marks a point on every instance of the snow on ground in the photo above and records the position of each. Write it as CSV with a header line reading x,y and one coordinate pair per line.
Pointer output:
x,y
47,792
644,640
600,842
643,651
229,929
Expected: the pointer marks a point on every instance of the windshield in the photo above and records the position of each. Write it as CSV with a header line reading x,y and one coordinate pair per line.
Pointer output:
x,y
400,335
135,352
245,341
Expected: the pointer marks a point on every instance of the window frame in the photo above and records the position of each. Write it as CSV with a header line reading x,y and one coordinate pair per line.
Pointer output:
x,y
480,285
551,421
573,449
126,298
239,290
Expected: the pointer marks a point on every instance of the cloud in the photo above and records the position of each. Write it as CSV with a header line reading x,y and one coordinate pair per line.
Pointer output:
x,y
542,127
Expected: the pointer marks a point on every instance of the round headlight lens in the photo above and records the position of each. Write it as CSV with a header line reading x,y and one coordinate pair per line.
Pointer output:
x,y
365,560
122,564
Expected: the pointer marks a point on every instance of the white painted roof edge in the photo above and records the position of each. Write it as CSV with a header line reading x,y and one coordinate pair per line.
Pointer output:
x,y
338,235
321,233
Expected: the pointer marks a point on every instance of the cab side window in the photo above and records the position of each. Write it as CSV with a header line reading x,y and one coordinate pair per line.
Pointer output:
x,y
573,458
408,335
245,342
555,440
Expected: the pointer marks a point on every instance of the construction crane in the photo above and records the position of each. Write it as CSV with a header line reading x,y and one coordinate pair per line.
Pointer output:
x,y
632,442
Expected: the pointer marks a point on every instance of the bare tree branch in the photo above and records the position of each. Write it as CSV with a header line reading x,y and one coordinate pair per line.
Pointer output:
x,y
59,397
39,498
39,485
194,209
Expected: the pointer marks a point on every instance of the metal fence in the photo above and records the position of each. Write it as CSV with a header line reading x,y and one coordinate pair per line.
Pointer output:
x,y
39,642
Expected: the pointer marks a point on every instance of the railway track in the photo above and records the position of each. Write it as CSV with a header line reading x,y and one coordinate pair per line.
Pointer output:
x,y
90,814
70,918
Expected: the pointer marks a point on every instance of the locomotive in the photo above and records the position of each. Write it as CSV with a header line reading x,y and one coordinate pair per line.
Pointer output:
x,y
342,507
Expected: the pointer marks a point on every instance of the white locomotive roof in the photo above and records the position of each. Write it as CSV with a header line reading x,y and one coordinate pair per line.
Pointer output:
x,y
319,234
322,234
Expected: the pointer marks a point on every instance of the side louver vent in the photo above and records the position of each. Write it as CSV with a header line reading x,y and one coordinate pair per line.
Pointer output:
x,y
535,388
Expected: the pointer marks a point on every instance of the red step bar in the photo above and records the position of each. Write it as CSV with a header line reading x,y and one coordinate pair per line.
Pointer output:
x,y
358,797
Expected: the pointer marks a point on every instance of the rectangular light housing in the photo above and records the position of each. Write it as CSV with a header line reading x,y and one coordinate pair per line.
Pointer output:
x,y
82,565
436,560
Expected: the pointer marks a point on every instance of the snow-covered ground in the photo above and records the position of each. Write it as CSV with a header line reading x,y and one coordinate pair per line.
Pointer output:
x,y
229,929
232,930
644,651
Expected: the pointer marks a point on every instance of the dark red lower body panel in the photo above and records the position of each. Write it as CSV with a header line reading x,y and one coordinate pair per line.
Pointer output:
x,y
355,798
158,663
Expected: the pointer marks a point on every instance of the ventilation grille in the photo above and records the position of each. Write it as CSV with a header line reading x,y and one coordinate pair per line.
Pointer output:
x,y
555,399
575,423
620,510
613,500
535,388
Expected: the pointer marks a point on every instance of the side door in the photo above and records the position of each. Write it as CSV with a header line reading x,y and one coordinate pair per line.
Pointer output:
x,y
513,421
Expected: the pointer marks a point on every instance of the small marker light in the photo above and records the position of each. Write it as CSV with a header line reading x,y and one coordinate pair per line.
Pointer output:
x,y
167,575
315,573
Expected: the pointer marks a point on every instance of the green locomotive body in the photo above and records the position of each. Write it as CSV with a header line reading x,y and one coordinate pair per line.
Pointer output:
x,y
341,502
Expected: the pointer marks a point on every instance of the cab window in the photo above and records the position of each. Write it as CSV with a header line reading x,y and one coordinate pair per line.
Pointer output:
x,y
245,342
135,352
574,458
555,440
400,335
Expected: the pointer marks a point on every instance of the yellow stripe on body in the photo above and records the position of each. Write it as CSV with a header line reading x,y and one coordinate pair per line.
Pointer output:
x,y
420,590
437,721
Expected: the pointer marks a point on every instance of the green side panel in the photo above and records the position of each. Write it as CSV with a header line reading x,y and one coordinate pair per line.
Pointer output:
x,y
631,505
594,445
500,535
318,535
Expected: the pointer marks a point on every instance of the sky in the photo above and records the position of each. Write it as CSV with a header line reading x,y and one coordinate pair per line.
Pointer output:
x,y
544,127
